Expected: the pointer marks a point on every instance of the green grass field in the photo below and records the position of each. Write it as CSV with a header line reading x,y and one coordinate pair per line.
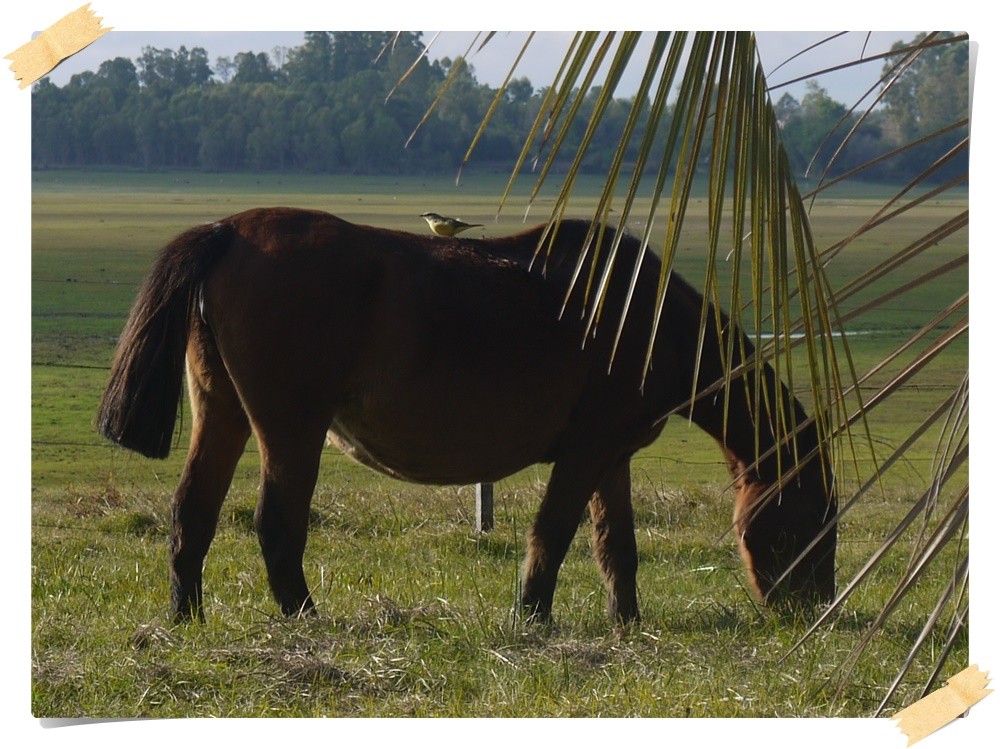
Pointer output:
x,y
416,607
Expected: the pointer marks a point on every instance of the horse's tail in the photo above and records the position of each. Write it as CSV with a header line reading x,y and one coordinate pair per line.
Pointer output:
x,y
139,407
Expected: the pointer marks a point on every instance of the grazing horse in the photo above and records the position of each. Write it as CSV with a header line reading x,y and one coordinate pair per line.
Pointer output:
x,y
447,361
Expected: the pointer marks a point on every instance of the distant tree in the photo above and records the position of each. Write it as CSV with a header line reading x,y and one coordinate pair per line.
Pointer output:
x,y
279,55
786,108
152,131
120,77
807,128
224,69
933,91
930,95
223,133
519,91
176,69
254,68
186,117
313,61
464,103
49,144
404,49
112,98
355,144
315,142
357,51
269,137
155,65
386,140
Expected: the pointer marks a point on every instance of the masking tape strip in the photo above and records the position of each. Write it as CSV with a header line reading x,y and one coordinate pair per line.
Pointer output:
x,y
62,39
939,708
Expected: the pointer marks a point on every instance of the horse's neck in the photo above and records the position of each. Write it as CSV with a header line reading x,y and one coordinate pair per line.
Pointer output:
x,y
758,423
753,415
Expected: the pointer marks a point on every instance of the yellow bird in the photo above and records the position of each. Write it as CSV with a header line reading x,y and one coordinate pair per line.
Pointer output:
x,y
444,226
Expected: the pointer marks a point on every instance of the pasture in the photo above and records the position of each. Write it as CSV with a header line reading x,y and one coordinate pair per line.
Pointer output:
x,y
415,606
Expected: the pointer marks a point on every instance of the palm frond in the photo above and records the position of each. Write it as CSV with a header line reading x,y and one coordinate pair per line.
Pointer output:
x,y
760,242
495,103
452,74
409,71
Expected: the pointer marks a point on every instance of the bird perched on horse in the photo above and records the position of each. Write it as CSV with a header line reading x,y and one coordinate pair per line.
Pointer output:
x,y
444,226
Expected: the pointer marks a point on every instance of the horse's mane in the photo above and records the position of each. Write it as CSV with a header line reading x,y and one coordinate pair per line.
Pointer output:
x,y
555,252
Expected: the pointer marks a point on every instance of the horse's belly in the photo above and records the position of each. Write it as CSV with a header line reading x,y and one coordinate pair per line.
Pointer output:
x,y
443,448
350,445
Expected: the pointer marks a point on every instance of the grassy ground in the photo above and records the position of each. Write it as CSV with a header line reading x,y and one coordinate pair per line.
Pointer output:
x,y
416,608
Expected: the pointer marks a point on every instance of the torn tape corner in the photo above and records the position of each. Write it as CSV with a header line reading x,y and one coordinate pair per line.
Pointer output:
x,y
64,38
936,710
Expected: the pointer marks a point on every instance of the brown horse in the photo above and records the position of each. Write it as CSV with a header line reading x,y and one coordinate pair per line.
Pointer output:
x,y
444,361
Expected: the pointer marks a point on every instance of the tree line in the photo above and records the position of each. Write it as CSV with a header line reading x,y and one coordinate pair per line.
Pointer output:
x,y
325,106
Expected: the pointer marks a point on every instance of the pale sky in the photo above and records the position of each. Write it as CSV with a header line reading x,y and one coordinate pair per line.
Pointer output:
x,y
540,62
263,27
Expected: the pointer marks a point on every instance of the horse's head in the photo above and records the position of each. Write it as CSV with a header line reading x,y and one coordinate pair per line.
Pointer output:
x,y
775,525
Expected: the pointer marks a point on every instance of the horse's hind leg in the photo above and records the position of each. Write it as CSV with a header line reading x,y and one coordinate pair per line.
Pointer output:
x,y
614,541
219,434
289,468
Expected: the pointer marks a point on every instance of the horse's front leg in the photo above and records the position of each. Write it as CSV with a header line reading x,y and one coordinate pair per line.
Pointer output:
x,y
614,541
574,480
